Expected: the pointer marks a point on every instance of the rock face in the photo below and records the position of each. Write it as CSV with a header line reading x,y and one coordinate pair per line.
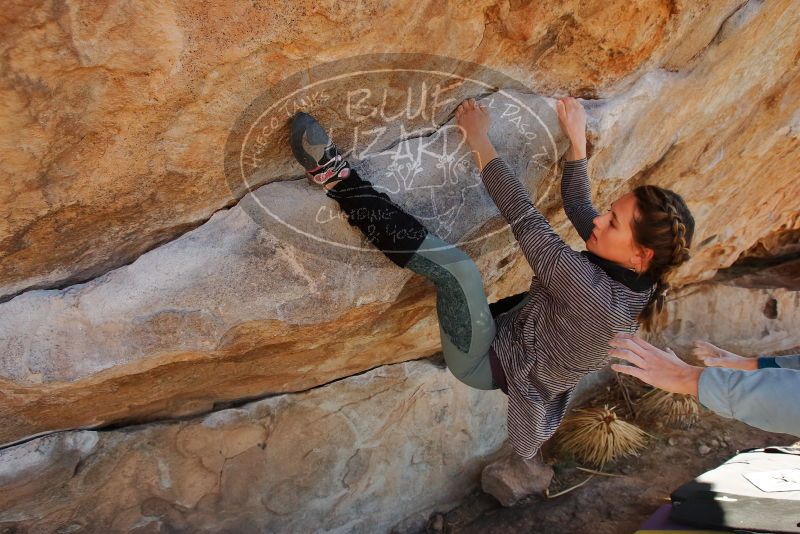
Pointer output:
x,y
249,303
233,309
360,455
370,452
746,321
85,88
161,256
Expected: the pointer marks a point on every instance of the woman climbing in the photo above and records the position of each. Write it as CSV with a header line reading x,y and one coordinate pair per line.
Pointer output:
x,y
538,350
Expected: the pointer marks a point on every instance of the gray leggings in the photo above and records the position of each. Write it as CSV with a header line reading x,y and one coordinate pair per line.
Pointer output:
x,y
466,325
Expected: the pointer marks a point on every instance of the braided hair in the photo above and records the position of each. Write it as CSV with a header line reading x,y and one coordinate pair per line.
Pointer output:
x,y
665,225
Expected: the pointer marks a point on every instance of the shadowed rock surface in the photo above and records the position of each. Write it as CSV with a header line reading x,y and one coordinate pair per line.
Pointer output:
x,y
141,282
255,300
360,455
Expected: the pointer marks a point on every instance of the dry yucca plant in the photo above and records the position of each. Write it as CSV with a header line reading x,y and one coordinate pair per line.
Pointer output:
x,y
635,387
624,393
671,408
595,436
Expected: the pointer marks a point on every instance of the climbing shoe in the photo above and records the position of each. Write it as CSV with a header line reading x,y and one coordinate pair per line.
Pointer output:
x,y
315,151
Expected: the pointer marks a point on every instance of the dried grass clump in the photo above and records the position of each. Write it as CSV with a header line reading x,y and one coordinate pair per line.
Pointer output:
x,y
595,436
672,408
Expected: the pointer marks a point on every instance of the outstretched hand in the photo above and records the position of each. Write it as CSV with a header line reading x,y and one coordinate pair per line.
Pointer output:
x,y
661,369
713,356
572,118
473,119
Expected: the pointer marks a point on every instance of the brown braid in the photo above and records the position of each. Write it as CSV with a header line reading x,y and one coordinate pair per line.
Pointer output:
x,y
680,249
665,225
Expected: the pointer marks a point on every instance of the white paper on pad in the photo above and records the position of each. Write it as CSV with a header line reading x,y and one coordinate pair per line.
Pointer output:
x,y
780,480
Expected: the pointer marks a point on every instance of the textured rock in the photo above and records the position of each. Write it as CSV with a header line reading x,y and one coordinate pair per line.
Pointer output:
x,y
783,243
115,126
772,262
154,87
746,321
512,478
722,131
359,455
114,117
785,275
239,308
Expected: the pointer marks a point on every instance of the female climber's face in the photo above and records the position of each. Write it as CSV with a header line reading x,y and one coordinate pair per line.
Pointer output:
x,y
612,237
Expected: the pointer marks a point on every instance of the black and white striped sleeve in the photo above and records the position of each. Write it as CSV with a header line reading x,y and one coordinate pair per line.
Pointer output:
x,y
551,259
577,197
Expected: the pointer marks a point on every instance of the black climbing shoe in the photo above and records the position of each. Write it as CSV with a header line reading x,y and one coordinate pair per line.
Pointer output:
x,y
315,151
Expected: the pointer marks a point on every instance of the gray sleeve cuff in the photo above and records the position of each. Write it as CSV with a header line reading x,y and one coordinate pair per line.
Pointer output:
x,y
712,390
788,362
768,399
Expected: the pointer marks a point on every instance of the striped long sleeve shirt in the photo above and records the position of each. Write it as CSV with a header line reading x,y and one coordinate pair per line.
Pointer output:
x,y
577,303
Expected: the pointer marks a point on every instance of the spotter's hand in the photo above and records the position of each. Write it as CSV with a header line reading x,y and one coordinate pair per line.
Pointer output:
x,y
661,369
713,356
